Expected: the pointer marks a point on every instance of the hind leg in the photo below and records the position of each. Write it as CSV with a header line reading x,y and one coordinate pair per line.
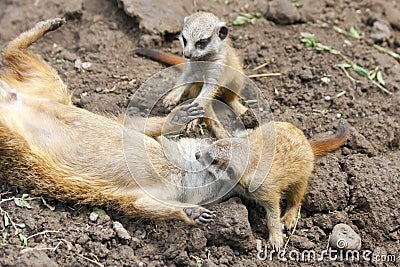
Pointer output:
x,y
25,39
294,199
149,207
27,72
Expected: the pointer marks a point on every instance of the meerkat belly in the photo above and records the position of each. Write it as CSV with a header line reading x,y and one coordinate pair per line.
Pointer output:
x,y
63,133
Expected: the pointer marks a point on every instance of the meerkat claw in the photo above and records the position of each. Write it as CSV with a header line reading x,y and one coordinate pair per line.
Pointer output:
x,y
200,215
56,23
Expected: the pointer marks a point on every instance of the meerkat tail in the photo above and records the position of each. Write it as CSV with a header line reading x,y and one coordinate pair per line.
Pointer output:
x,y
167,58
324,146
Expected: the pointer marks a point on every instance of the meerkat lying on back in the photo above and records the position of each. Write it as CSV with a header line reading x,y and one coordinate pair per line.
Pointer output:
x,y
292,159
57,149
205,38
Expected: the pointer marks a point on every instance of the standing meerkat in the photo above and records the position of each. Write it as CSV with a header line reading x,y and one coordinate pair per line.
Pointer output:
x,y
291,165
205,38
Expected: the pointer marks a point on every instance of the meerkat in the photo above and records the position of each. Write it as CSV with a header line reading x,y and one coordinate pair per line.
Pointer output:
x,y
281,152
205,38
54,148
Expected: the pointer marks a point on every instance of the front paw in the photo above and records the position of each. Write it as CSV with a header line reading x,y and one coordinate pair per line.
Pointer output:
x,y
276,239
200,215
186,113
171,100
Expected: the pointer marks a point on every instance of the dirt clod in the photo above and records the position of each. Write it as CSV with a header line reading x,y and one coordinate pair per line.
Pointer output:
x,y
282,12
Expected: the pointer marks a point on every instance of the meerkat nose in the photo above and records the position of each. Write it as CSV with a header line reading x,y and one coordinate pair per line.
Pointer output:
x,y
197,155
187,55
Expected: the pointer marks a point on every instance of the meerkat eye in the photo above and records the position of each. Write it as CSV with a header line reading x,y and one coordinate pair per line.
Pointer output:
x,y
202,43
223,32
214,162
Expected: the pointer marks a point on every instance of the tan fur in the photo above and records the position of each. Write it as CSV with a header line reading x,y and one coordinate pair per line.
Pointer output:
x,y
57,149
198,26
291,165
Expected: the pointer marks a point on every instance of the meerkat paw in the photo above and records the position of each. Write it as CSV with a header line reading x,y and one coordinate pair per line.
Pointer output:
x,y
200,215
172,99
276,240
186,113
290,219
51,24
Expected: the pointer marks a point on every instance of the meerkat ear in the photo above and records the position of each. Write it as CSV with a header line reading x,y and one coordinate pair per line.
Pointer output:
x,y
223,31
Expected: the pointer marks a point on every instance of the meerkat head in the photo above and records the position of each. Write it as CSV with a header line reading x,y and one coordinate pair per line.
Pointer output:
x,y
225,158
202,35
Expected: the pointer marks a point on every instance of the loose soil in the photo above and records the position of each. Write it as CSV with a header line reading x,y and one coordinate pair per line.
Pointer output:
x,y
357,185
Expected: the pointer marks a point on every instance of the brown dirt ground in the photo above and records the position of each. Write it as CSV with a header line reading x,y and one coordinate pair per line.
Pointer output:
x,y
357,185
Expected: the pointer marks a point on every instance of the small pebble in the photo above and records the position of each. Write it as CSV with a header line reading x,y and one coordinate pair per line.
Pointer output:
x,y
344,237
78,64
325,80
327,98
86,65
93,216
121,231
380,32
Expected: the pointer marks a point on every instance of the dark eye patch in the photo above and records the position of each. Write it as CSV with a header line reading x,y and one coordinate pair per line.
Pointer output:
x,y
231,173
203,43
210,159
184,40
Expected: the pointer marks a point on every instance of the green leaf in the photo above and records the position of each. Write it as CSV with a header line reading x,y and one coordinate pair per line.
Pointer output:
x,y
373,73
344,65
99,211
361,71
21,225
21,202
240,20
354,33
380,78
6,220
24,240
245,18
52,208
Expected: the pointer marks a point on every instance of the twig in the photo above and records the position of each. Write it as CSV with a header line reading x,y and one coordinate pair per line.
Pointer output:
x,y
348,75
264,75
42,233
381,87
329,239
90,260
387,51
5,213
6,199
340,94
263,65
294,229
